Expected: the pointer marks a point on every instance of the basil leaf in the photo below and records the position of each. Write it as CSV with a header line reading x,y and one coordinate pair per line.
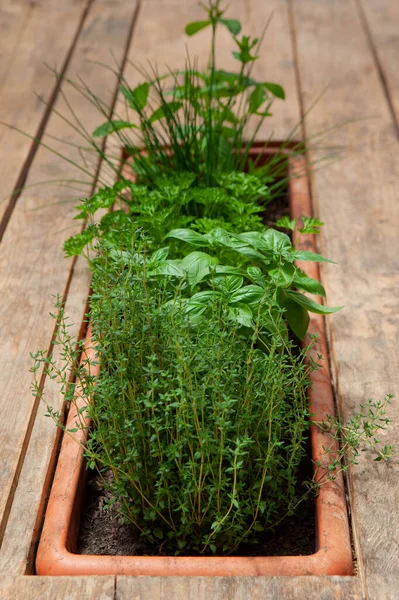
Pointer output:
x,y
297,318
188,235
311,305
308,284
312,256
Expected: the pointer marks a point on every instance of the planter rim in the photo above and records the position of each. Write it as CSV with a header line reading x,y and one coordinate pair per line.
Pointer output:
x,y
333,554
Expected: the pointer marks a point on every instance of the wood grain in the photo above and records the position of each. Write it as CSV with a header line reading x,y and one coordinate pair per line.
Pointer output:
x,y
238,588
276,64
357,198
24,71
14,18
57,588
30,276
381,20
26,513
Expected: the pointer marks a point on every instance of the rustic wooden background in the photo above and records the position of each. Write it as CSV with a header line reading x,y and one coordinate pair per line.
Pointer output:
x,y
338,61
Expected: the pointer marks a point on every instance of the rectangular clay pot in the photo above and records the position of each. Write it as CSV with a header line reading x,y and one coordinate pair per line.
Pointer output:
x,y
333,554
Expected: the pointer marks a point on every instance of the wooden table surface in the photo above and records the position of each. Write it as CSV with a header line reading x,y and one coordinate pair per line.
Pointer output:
x,y
338,62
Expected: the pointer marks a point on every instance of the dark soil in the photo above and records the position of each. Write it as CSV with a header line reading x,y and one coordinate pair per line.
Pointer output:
x,y
102,531
278,208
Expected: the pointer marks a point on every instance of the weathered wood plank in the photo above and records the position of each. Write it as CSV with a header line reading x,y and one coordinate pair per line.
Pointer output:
x,y
30,276
238,588
26,513
357,198
23,72
14,18
59,588
276,64
381,20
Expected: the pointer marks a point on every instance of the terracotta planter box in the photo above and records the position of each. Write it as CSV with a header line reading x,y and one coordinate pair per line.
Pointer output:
x,y
333,554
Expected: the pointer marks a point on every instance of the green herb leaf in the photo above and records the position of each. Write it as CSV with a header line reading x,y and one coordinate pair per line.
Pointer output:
x,y
137,98
231,283
311,256
311,304
226,76
232,25
75,244
170,268
283,275
249,294
198,257
166,110
242,314
228,132
276,241
264,114
158,257
190,236
227,270
254,238
310,225
204,297
199,303
193,28
158,533
308,284
245,45
257,98
229,116
286,223
275,89
298,318
104,198
254,272
198,266
112,126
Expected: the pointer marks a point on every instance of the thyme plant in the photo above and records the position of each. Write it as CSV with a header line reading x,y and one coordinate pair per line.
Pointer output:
x,y
202,430
202,427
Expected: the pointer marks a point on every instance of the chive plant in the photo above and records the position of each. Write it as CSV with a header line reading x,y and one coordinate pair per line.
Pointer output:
x,y
195,120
